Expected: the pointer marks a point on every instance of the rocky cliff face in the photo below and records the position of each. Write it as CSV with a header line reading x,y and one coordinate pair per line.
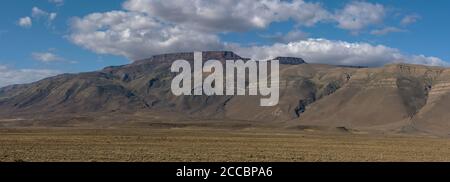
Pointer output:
x,y
395,97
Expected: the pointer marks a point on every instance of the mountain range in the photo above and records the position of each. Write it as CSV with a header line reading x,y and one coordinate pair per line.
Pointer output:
x,y
393,98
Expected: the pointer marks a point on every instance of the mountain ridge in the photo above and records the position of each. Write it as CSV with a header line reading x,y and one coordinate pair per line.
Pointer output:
x,y
392,98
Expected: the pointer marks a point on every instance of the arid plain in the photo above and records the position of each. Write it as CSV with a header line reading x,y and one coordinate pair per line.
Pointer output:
x,y
213,144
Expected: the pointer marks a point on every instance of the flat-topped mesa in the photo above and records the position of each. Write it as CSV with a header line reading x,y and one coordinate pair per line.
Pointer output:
x,y
167,59
189,56
290,60
212,55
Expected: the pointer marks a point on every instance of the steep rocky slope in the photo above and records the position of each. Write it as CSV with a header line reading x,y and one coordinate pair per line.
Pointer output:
x,y
397,97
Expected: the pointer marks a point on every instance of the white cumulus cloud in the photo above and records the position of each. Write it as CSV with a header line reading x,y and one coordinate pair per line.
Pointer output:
x,y
409,19
46,57
25,22
358,15
229,15
386,30
38,13
291,36
136,35
337,53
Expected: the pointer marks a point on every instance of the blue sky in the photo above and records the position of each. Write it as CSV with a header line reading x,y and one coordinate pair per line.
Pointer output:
x,y
41,38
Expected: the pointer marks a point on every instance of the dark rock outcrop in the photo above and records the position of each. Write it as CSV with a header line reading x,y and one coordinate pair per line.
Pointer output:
x,y
290,60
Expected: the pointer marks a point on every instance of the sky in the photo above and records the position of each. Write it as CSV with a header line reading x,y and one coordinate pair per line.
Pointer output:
x,y
41,38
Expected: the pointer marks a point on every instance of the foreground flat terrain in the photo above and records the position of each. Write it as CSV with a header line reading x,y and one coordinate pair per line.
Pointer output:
x,y
196,144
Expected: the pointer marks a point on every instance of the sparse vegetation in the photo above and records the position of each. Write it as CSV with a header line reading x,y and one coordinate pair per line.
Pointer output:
x,y
188,144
